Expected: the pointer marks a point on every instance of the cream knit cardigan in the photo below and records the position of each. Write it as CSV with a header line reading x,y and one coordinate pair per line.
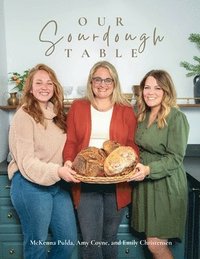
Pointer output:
x,y
36,151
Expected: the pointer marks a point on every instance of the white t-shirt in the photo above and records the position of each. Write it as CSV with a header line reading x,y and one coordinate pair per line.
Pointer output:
x,y
100,127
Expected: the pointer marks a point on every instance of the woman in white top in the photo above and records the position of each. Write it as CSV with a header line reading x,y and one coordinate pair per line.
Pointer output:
x,y
104,114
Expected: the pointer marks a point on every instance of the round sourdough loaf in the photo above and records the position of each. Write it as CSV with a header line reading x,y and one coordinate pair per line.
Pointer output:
x,y
89,162
120,161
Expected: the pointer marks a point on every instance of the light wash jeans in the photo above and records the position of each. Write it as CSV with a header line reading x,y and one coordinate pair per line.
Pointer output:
x,y
43,208
99,221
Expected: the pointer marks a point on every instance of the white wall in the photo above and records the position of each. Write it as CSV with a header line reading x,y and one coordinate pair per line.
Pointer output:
x,y
109,21
4,120
174,20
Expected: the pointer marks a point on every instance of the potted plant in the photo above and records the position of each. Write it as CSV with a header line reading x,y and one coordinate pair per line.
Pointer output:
x,y
194,70
19,80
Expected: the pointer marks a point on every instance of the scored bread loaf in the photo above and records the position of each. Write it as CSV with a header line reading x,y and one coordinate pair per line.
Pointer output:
x,y
89,162
120,161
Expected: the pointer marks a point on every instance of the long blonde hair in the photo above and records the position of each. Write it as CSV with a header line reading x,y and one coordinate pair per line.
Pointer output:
x,y
31,104
117,96
164,80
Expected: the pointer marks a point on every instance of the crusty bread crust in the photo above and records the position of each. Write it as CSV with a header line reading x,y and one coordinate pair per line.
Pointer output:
x,y
111,160
109,146
121,161
89,162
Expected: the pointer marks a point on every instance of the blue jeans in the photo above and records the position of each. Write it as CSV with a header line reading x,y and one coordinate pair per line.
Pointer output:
x,y
99,221
43,208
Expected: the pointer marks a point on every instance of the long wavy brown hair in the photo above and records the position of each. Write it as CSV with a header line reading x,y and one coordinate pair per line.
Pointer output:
x,y
164,80
31,104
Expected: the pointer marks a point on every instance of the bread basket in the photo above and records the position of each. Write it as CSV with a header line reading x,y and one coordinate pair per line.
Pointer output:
x,y
104,179
111,164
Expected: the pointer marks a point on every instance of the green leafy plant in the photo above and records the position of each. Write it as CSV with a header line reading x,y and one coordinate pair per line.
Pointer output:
x,y
18,79
193,69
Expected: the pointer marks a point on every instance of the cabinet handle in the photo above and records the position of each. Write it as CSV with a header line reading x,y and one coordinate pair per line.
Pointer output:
x,y
10,215
11,251
7,187
195,189
127,250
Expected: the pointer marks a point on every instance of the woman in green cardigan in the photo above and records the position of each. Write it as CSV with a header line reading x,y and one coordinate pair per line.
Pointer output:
x,y
160,191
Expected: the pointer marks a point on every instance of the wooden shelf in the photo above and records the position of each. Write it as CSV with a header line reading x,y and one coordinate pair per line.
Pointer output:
x,y
187,102
12,108
67,104
188,105
8,107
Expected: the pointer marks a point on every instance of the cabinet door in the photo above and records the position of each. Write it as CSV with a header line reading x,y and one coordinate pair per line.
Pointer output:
x,y
4,186
9,221
193,220
11,250
125,223
129,246
8,215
